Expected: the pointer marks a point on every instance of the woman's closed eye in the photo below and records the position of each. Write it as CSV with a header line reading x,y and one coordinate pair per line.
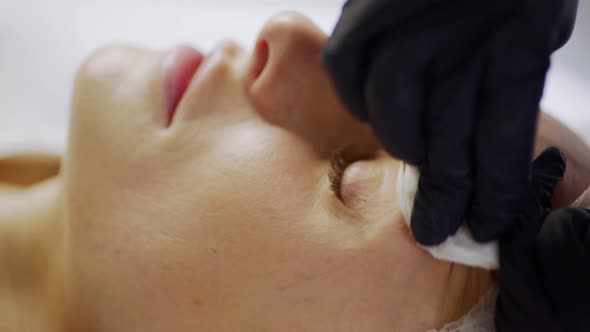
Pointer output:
x,y
340,162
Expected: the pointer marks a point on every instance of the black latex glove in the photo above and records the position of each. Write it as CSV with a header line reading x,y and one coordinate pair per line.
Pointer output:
x,y
453,87
563,257
545,260
523,304
545,274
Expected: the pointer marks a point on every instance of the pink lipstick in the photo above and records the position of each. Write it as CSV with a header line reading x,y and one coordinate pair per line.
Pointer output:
x,y
180,65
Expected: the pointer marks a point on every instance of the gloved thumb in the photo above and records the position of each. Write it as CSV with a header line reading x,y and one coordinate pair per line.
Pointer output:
x,y
546,172
522,305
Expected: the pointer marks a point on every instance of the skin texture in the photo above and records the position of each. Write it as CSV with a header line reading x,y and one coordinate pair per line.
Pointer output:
x,y
224,220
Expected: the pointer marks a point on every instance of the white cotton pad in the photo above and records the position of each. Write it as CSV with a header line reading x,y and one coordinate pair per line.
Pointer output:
x,y
460,248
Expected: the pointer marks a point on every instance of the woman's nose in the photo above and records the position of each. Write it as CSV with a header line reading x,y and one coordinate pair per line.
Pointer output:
x,y
285,65
288,85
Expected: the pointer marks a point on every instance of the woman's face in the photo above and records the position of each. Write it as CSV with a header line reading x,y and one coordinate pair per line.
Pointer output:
x,y
227,211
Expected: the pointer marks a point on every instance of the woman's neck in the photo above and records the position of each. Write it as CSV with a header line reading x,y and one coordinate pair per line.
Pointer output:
x,y
442,292
467,286
32,258
446,292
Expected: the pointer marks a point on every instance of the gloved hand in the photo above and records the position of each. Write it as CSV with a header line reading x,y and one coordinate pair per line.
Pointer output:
x,y
453,87
545,260
523,304
563,255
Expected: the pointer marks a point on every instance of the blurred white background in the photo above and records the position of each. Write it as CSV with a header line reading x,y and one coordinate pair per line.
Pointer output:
x,y
43,42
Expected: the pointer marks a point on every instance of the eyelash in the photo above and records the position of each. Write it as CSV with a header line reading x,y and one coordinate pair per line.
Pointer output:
x,y
338,163
340,160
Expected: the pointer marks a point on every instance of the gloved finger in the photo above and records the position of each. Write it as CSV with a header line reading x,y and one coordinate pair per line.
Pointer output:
x,y
344,54
565,24
396,97
547,171
401,86
512,90
522,303
445,184
344,65
516,245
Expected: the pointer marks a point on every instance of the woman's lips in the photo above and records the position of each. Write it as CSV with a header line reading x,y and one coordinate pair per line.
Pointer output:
x,y
180,65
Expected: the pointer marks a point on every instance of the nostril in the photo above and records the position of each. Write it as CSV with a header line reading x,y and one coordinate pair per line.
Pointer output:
x,y
261,54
